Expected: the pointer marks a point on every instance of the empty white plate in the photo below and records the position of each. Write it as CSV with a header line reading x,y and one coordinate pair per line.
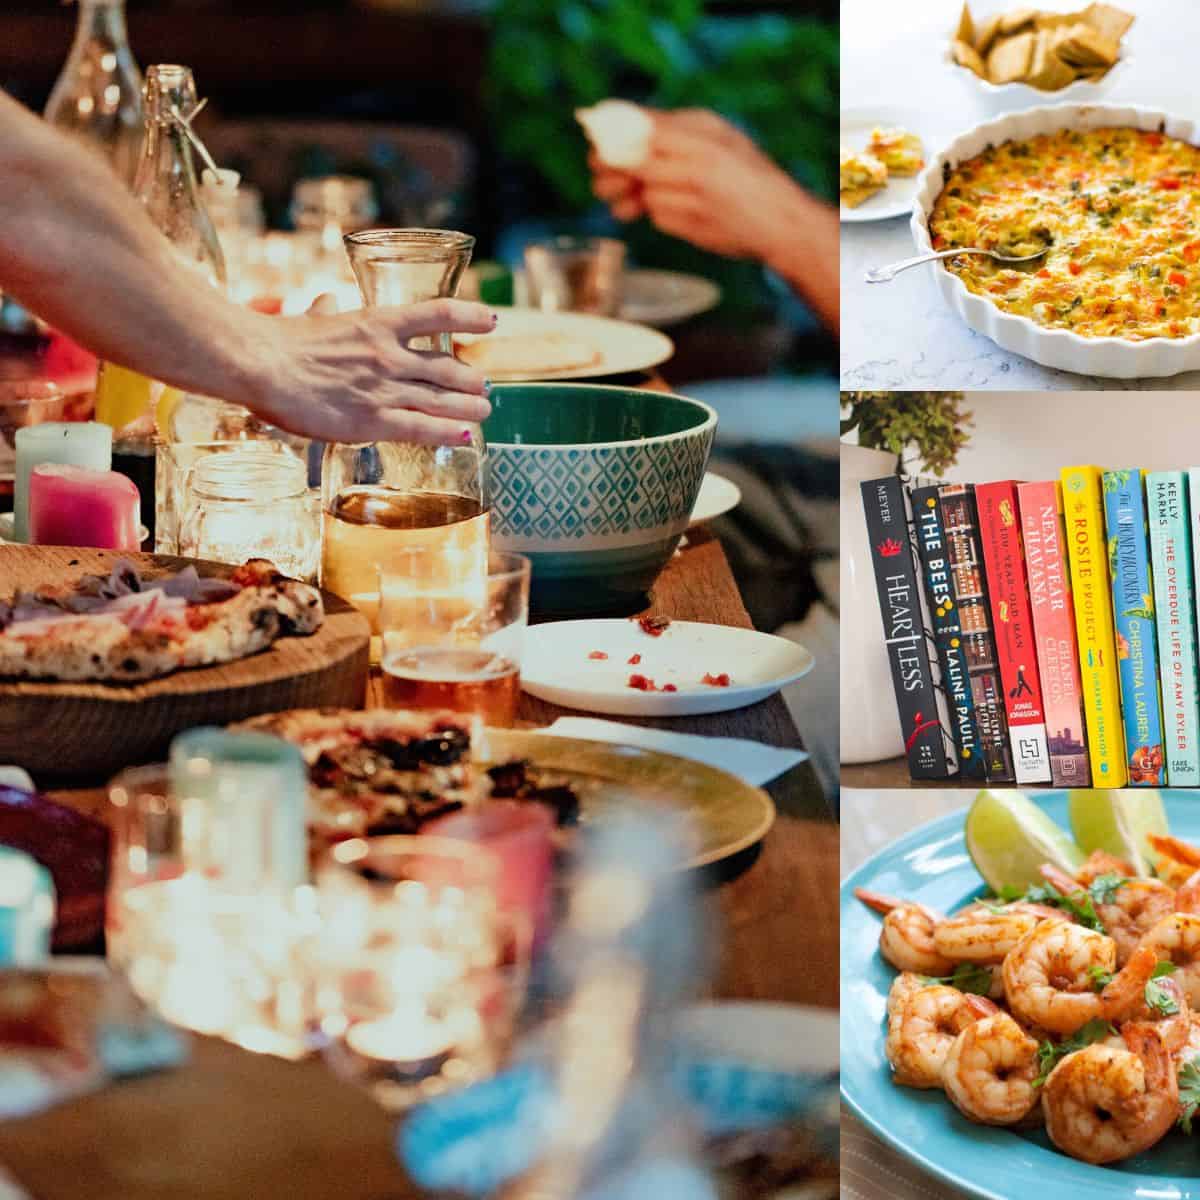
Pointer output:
x,y
717,495
557,666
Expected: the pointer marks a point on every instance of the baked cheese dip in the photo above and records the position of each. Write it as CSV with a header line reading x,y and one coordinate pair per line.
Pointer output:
x,y
1118,212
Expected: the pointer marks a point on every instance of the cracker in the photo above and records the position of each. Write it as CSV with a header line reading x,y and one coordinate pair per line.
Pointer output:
x,y
966,27
1017,20
1084,46
1108,20
1008,61
1047,71
967,56
986,35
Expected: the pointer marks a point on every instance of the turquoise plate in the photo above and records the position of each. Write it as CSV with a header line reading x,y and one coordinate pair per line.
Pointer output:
x,y
931,865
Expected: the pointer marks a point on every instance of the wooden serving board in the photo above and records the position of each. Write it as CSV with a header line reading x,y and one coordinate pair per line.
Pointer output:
x,y
89,731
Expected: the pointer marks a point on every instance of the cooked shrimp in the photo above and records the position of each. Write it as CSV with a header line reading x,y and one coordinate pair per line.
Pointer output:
x,y
1187,898
1100,862
1178,860
1190,1050
1135,908
921,1033
1177,939
1048,984
1104,1104
906,939
989,1071
985,934
1174,1027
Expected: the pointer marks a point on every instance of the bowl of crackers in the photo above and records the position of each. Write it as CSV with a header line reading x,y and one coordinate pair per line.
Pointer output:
x,y
596,484
1026,56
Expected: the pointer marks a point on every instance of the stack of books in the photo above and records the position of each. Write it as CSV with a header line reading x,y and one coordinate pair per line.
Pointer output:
x,y
1042,632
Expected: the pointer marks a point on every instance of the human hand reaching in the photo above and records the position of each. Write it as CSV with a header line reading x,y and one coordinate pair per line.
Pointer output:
x,y
350,377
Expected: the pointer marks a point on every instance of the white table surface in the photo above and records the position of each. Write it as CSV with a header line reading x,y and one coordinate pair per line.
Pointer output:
x,y
902,334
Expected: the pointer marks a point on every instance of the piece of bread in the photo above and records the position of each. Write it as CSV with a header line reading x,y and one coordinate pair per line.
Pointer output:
x,y
900,151
528,354
861,175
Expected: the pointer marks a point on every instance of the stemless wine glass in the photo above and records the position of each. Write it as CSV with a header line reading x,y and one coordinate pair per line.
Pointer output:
x,y
419,975
383,497
452,639
576,274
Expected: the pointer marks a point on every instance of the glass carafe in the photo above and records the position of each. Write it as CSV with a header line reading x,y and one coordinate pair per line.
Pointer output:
x,y
98,95
381,498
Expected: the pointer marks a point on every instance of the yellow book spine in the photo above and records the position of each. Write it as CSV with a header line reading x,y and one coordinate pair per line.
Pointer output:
x,y
1087,550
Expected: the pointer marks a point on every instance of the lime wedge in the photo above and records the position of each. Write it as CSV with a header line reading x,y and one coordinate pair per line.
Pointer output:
x,y
1118,821
1009,838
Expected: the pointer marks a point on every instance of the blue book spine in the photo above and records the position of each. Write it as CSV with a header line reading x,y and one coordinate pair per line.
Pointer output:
x,y
1171,567
1133,617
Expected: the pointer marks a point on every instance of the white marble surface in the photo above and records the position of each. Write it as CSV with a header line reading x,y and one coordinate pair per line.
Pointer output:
x,y
902,334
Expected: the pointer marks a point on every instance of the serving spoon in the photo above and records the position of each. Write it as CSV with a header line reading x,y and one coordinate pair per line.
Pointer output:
x,y
885,274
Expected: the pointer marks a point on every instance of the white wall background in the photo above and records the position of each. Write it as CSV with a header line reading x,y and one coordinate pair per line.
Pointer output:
x,y
1033,435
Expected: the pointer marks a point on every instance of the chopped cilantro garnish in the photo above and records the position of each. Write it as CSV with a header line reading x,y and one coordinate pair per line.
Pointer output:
x,y
1189,1095
1100,977
1104,887
1050,1054
967,977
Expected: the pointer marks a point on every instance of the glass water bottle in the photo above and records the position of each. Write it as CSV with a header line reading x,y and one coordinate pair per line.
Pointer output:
x,y
382,498
166,184
98,95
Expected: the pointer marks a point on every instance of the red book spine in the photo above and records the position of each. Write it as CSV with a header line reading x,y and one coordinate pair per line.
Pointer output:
x,y
1008,592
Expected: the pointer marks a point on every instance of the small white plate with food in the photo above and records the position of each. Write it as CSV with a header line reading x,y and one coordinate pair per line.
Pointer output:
x,y
651,667
882,153
718,496
528,344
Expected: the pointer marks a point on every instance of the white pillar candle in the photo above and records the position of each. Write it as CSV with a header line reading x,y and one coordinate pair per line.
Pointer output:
x,y
73,443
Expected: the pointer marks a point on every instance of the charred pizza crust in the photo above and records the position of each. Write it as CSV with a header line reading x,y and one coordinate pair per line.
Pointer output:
x,y
78,635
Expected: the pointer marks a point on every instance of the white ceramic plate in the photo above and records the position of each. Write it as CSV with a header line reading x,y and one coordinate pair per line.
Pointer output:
x,y
896,199
776,1037
666,297
556,667
6,533
622,345
717,495
1111,357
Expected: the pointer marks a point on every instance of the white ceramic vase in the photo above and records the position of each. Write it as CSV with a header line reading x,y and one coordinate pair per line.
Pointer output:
x,y
870,725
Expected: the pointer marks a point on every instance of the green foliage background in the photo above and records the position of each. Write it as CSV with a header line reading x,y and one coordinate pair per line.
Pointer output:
x,y
774,75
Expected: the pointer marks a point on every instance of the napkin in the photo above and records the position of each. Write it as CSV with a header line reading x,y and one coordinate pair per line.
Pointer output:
x,y
754,762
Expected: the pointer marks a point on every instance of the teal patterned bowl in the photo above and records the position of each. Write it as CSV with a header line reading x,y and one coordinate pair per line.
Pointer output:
x,y
596,485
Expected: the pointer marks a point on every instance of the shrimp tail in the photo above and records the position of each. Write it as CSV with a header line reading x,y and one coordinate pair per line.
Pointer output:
x,y
1127,986
1147,1043
1187,897
980,1006
1174,849
1059,878
877,900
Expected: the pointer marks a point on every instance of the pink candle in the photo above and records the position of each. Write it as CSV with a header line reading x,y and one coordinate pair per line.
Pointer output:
x,y
521,838
76,506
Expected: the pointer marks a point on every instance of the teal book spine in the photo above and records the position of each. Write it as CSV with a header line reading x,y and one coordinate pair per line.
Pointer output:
x,y
1170,524
1133,616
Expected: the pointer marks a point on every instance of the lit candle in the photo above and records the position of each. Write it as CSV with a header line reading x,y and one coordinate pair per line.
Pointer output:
x,y
76,506
26,909
77,444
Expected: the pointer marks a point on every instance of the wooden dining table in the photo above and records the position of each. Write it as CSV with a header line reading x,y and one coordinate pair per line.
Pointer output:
x,y
231,1125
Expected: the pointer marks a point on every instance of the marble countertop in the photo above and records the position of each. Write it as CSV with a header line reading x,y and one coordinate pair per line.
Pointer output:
x,y
902,334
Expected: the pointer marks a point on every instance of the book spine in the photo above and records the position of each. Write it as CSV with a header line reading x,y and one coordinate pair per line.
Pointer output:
x,y
1008,594
1133,618
904,634
960,527
1053,618
947,632
1083,513
1171,571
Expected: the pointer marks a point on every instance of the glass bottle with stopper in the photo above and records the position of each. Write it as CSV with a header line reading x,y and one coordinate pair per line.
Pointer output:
x,y
98,95
382,498
167,186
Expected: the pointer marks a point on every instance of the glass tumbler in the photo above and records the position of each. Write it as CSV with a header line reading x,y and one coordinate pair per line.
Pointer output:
x,y
576,274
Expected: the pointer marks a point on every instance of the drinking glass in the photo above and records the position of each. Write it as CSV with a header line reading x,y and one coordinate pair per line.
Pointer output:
x,y
382,498
575,274
201,916
452,639
24,402
419,976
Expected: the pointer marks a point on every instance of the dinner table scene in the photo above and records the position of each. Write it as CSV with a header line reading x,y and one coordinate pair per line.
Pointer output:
x,y
418,602
1003,88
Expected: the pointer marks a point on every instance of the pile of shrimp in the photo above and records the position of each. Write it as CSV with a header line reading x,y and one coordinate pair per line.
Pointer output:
x,y
1055,984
